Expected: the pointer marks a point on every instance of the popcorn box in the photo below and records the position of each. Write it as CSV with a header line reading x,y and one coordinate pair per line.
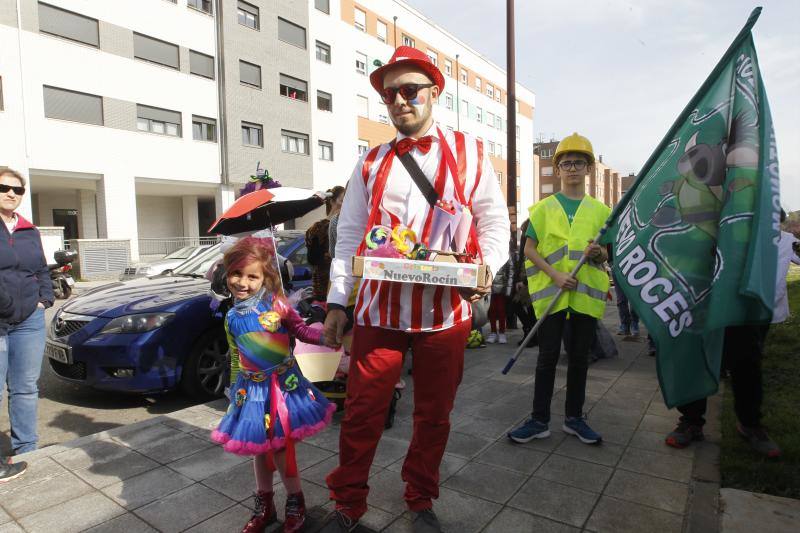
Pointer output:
x,y
443,271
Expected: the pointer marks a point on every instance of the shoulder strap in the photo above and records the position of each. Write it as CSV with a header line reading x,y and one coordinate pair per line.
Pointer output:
x,y
419,178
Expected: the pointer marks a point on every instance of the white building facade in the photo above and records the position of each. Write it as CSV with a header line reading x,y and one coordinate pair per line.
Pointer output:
x,y
141,120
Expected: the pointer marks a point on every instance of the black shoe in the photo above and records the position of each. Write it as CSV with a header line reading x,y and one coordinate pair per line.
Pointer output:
x,y
396,395
426,522
338,522
9,471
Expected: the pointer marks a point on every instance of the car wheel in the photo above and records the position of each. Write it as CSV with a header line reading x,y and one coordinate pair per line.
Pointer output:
x,y
205,371
66,290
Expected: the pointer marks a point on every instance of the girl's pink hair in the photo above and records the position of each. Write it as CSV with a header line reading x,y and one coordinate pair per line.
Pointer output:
x,y
253,249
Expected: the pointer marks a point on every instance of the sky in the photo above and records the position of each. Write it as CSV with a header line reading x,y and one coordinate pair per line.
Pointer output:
x,y
621,71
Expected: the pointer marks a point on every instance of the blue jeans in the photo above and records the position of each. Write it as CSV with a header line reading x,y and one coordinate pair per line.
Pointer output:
x,y
627,316
21,353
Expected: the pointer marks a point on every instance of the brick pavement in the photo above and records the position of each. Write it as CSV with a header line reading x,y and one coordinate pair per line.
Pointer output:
x,y
164,474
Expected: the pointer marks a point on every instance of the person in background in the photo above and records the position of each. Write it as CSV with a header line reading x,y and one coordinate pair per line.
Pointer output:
x,y
522,299
501,290
23,271
318,246
337,197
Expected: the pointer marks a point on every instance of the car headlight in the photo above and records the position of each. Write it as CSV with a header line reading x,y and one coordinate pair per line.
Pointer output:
x,y
138,323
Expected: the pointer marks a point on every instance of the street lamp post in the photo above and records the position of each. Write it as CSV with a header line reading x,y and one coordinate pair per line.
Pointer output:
x,y
511,183
458,99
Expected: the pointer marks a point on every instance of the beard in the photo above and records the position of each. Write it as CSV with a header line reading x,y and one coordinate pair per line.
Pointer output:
x,y
421,115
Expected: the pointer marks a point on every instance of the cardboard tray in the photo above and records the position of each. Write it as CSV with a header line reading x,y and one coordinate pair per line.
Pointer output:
x,y
443,271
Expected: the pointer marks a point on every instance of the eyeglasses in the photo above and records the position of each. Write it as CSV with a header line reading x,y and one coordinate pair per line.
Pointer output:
x,y
578,164
19,191
408,91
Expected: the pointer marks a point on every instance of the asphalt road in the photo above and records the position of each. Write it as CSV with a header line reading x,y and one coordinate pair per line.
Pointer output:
x,y
68,411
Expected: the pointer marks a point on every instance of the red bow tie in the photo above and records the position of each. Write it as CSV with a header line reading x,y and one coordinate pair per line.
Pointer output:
x,y
423,144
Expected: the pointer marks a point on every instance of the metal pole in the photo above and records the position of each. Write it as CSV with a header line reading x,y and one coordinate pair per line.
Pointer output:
x,y
395,32
458,99
511,183
222,98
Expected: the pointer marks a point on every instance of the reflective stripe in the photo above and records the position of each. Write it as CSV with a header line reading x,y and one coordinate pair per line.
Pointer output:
x,y
582,288
551,259
576,255
590,292
544,293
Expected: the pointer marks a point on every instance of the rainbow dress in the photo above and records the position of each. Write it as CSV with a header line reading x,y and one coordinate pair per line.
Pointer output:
x,y
269,397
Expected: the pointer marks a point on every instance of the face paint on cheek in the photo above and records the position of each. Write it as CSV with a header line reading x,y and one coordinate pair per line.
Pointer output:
x,y
419,103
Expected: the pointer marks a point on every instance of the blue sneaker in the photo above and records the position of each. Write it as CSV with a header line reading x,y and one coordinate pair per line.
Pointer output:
x,y
576,425
635,329
528,431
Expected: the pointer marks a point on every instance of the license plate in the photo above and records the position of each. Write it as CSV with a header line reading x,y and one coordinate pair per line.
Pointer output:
x,y
70,282
58,352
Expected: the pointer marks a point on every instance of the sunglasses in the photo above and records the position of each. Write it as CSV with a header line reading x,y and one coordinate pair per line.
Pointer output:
x,y
19,191
408,91
579,164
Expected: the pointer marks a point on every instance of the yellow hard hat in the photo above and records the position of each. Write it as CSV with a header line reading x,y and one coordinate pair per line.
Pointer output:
x,y
575,143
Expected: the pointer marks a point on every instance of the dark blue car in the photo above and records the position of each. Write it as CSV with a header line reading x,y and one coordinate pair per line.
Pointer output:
x,y
153,334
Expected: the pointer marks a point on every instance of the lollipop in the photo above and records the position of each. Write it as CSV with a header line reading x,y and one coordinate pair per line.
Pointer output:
x,y
404,239
377,236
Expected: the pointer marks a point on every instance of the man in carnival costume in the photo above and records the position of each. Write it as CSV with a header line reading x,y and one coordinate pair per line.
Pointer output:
x,y
390,317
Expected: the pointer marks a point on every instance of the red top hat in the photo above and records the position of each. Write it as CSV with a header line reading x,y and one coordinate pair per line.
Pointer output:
x,y
411,56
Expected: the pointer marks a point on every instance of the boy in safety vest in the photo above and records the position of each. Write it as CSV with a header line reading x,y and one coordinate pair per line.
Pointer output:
x,y
561,230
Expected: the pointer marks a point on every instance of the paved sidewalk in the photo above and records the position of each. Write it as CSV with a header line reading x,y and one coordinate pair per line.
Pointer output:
x,y
165,475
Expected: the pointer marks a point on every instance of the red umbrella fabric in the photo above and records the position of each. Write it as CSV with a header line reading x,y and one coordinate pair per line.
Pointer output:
x,y
264,208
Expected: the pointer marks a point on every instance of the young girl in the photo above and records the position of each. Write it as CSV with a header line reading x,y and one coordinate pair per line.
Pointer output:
x,y
271,404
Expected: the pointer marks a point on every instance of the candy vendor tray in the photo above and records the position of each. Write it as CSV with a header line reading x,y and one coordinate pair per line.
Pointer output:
x,y
442,271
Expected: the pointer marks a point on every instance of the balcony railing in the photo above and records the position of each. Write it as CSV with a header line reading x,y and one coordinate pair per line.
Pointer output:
x,y
167,245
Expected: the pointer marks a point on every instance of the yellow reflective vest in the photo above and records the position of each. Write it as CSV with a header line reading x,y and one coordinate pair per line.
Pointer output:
x,y
562,246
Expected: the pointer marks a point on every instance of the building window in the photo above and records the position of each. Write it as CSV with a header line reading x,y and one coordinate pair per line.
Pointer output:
x,y
362,106
200,5
464,108
72,26
498,122
500,177
491,148
383,119
323,5
73,106
294,143
490,119
479,114
326,150
490,90
291,33
204,129
363,147
250,74
448,67
434,57
323,52
156,120
156,51
408,41
448,101
248,15
547,171
382,31
360,19
547,188
517,132
293,88
361,63
201,65
464,76
324,101
498,95
252,134
477,84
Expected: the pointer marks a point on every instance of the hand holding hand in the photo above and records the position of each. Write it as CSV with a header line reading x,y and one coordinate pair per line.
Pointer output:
x,y
335,321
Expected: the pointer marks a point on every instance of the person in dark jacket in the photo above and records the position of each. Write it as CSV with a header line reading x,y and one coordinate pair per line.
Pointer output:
x,y
23,271
522,300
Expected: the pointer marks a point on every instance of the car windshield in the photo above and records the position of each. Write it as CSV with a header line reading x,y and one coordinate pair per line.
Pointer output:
x,y
182,253
198,265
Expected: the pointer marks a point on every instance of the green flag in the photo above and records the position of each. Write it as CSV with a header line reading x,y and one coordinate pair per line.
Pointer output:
x,y
695,238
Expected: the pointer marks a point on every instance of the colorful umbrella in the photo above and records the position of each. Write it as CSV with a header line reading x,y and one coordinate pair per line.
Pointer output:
x,y
265,208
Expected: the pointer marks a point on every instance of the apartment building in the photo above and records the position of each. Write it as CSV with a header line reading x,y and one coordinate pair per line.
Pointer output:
x,y
139,121
604,183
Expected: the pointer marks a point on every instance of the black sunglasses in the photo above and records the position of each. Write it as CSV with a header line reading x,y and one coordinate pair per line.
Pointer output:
x,y
408,91
19,191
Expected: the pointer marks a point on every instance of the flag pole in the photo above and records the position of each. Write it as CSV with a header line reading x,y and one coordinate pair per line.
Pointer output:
x,y
553,302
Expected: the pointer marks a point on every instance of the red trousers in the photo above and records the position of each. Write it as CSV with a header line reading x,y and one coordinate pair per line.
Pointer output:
x,y
375,366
